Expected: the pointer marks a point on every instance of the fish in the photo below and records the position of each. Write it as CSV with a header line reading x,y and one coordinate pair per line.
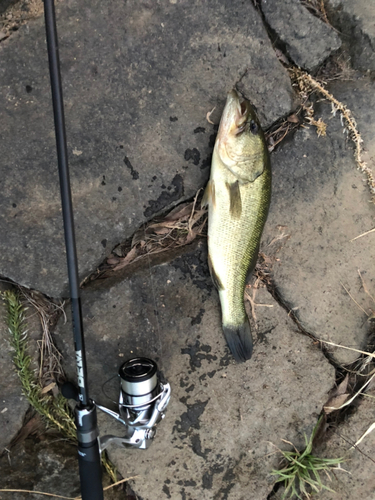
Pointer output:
x,y
238,196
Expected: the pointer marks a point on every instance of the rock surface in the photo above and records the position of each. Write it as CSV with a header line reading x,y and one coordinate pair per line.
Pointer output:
x,y
49,466
13,405
319,203
138,81
4,4
215,440
309,41
355,22
359,481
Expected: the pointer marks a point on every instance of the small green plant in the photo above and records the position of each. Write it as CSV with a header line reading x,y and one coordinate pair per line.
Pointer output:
x,y
301,474
54,409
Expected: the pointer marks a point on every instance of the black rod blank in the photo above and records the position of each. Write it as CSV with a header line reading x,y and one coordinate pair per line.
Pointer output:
x,y
66,197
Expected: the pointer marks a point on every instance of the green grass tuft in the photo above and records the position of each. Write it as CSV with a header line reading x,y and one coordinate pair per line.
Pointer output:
x,y
301,474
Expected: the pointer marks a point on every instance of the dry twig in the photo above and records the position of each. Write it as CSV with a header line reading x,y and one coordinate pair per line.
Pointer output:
x,y
180,227
50,368
307,84
363,234
61,496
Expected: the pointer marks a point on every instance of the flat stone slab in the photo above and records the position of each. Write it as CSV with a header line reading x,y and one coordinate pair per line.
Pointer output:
x,y
222,418
138,79
49,465
309,41
359,481
355,22
321,202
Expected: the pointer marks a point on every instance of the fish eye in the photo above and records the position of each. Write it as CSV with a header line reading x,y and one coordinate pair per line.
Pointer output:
x,y
253,127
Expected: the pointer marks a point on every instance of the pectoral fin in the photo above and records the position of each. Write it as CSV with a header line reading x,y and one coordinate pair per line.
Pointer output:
x,y
209,195
235,207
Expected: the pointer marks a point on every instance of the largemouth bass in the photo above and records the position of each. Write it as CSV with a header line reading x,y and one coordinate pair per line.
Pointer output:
x,y
238,196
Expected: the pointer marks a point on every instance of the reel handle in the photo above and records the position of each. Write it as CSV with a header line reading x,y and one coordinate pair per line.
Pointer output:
x,y
70,391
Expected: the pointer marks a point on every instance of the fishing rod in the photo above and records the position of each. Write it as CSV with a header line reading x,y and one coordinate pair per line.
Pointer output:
x,y
85,411
143,398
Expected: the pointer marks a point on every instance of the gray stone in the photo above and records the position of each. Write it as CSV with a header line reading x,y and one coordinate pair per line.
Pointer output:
x,y
49,466
4,4
320,202
215,441
138,81
308,40
355,22
13,404
359,480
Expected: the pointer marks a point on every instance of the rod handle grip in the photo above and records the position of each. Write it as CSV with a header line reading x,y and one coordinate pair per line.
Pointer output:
x,y
90,471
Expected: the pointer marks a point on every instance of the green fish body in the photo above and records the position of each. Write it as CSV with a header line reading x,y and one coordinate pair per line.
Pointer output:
x,y
238,196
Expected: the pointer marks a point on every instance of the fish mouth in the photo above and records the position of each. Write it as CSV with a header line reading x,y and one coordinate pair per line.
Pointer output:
x,y
234,116
232,123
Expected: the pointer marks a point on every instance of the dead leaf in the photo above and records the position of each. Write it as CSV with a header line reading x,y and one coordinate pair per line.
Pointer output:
x,y
138,237
162,230
342,387
127,259
190,237
33,426
180,211
338,396
293,118
48,388
113,261
152,228
335,403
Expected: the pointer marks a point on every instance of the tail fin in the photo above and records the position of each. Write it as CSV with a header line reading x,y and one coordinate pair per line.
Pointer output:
x,y
239,340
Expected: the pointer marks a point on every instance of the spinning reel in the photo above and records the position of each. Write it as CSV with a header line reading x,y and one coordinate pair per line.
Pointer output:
x,y
142,402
